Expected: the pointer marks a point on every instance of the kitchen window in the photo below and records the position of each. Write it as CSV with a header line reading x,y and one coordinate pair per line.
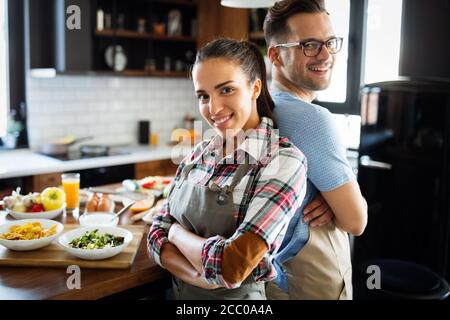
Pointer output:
x,y
3,69
383,27
348,18
371,29
340,16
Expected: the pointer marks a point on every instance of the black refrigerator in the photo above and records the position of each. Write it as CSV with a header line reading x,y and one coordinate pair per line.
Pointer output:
x,y
404,173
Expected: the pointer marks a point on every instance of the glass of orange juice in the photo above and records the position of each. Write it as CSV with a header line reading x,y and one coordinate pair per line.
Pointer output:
x,y
71,186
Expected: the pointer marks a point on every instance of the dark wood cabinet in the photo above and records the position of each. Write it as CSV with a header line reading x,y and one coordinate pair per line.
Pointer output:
x,y
157,38
155,168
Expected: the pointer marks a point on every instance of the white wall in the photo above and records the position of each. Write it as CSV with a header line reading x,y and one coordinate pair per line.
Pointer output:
x,y
108,108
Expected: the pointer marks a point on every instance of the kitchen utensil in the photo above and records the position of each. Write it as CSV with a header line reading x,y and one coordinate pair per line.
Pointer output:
x,y
94,150
60,147
115,57
120,193
122,211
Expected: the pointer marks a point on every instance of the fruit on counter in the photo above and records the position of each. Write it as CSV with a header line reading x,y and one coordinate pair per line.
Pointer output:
x,y
52,198
142,205
37,207
19,207
23,203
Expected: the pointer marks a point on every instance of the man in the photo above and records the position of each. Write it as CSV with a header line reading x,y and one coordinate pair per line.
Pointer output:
x,y
313,262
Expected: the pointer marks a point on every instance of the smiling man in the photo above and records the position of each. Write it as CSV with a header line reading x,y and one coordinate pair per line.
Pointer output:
x,y
314,259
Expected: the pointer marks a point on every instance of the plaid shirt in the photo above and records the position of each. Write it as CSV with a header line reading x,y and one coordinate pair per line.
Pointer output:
x,y
264,200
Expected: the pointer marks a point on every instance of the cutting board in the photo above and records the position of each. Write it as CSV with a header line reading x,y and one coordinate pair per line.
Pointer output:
x,y
55,256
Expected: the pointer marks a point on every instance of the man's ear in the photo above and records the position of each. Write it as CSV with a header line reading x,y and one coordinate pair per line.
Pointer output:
x,y
274,56
257,85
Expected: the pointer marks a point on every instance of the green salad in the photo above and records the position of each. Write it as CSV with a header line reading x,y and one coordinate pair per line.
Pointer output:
x,y
95,240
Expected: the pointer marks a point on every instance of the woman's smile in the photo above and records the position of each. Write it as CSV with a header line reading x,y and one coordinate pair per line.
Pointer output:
x,y
222,122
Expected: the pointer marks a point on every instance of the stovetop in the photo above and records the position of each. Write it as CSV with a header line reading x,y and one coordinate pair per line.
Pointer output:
x,y
77,155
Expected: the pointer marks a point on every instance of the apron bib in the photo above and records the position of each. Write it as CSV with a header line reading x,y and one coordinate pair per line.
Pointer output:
x,y
208,211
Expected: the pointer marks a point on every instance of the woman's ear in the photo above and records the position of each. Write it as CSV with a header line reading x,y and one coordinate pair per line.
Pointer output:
x,y
257,85
274,56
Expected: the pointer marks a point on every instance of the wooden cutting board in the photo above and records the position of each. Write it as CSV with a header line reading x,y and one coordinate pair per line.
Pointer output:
x,y
55,256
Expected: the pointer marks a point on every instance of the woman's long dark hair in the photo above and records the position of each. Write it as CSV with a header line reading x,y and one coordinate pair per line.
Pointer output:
x,y
249,58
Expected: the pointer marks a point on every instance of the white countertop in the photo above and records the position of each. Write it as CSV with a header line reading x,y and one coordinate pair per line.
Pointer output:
x,y
25,162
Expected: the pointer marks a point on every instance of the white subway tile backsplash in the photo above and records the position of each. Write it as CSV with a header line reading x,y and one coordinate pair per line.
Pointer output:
x,y
108,108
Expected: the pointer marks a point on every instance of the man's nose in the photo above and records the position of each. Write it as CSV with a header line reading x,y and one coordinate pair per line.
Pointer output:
x,y
324,54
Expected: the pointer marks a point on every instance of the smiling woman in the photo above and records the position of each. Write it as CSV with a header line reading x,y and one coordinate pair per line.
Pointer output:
x,y
3,69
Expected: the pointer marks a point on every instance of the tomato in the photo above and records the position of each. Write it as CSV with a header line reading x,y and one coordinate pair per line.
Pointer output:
x,y
149,185
167,180
37,207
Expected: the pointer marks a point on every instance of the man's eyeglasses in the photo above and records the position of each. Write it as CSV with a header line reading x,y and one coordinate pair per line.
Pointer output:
x,y
312,48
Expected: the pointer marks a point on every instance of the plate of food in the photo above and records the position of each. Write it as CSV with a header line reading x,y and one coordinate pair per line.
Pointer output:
x,y
154,185
95,243
47,204
25,235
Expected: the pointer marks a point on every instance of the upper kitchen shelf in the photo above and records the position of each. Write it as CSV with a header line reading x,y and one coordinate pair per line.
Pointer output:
x,y
130,34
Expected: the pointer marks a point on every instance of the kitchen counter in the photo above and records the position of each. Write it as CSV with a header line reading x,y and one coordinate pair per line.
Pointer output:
x,y
25,162
144,278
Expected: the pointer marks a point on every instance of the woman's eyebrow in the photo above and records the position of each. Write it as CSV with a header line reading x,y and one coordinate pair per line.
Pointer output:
x,y
222,84
216,86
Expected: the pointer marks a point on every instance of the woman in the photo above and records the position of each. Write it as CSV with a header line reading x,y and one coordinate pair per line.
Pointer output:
x,y
233,196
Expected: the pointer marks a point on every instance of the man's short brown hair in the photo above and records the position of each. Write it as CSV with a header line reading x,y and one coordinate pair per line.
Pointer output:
x,y
275,23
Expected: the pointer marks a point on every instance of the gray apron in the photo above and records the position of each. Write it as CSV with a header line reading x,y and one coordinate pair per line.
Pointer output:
x,y
208,211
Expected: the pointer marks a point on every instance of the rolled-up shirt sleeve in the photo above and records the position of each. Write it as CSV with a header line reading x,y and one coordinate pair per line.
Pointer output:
x,y
158,235
279,190
159,231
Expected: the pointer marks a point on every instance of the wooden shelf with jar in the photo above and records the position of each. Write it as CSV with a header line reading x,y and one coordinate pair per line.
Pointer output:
x,y
137,31
130,34
187,3
156,73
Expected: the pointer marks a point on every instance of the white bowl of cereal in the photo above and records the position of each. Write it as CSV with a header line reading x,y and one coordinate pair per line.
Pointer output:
x,y
29,234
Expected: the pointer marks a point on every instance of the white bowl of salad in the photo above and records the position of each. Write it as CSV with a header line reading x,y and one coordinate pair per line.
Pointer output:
x,y
95,243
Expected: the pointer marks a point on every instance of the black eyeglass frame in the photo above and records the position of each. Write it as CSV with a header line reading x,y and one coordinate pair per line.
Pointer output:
x,y
303,43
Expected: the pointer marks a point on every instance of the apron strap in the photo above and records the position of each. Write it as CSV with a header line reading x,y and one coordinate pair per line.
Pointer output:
x,y
188,167
239,174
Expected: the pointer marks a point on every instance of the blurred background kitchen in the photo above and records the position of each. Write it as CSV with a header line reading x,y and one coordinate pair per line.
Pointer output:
x,y
116,73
